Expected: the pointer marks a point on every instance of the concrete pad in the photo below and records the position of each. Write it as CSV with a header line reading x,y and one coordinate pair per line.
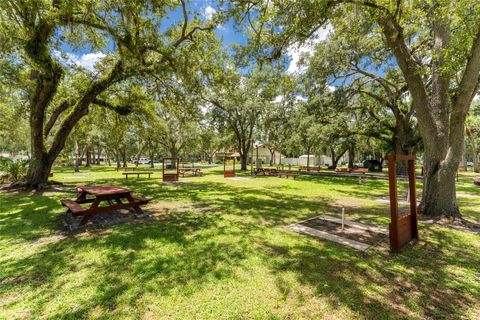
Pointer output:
x,y
298,227
327,236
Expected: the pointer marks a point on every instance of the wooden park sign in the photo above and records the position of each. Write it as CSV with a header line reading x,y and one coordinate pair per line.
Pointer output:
x,y
167,173
403,228
230,171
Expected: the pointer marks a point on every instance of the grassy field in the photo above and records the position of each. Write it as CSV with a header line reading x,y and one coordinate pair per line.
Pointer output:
x,y
220,249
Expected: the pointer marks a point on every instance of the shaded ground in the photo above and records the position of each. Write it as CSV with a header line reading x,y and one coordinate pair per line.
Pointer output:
x,y
349,232
218,249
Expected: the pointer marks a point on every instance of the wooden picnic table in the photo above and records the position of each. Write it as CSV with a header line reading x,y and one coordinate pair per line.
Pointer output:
x,y
138,173
352,170
114,196
127,168
266,171
288,174
309,168
476,181
193,170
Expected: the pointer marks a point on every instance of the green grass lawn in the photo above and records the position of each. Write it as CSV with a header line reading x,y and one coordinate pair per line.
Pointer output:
x,y
220,249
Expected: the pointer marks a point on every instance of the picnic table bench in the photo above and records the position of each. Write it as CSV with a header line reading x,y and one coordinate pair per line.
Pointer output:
x,y
113,195
288,174
138,173
305,168
266,171
352,170
127,168
359,170
193,171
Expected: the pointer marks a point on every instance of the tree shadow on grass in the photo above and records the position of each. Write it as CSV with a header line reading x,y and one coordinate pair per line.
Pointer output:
x,y
181,251
224,226
385,286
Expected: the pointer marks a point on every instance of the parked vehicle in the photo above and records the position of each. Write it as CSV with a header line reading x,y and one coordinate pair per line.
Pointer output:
x,y
373,165
469,164
141,161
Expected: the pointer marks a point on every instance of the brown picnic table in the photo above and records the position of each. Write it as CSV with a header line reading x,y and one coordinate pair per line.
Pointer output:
x,y
352,170
309,168
115,197
192,170
288,174
137,173
266,171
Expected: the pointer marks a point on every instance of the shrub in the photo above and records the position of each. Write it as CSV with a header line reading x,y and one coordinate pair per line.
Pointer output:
x,y
14,170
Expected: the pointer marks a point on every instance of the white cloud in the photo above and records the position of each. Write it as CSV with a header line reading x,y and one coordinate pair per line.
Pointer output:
x,y
89,60
209,12
330,88
296,51
86,60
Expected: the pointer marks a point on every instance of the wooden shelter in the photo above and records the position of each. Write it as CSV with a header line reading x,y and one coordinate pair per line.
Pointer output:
x,y
229,167
403,228
170,167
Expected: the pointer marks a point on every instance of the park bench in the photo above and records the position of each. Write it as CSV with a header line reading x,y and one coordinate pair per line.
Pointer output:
x,y
113,195
287,175
137,173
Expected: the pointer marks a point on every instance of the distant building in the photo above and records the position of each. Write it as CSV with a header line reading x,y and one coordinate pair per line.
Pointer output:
x,y
315,160
263,154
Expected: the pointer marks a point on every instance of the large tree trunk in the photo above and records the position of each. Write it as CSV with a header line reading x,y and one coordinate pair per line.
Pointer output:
x,y
117,158
99,152
439,194
38,172
89,157
243,161
441,114
92,161
272,156
152,155
334,159
351,156
124,157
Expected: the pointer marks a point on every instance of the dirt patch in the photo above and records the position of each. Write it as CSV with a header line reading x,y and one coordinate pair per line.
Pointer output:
x,y
350,232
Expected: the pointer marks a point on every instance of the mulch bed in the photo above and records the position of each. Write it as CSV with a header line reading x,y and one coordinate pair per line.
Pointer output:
x,y
105,219
366,236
